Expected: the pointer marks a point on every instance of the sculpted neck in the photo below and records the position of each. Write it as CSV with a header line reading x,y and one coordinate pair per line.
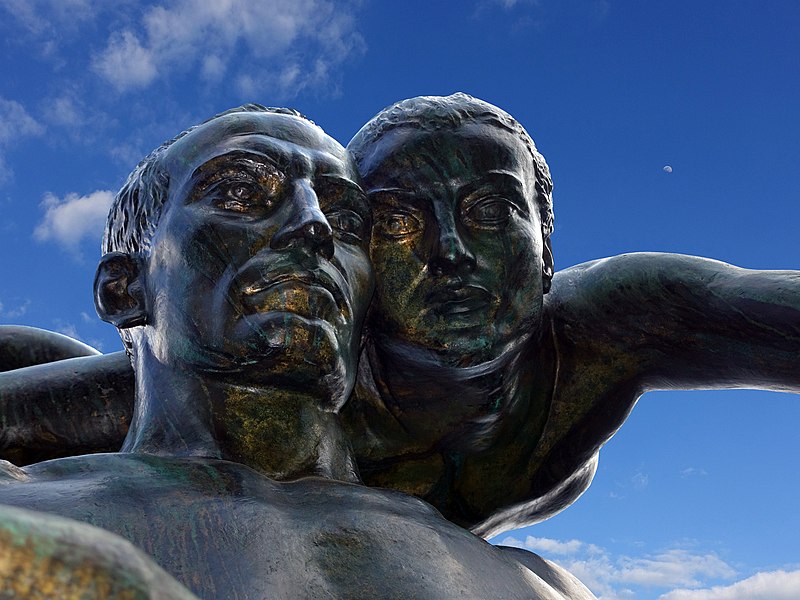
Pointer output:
x,y
282,433
434,400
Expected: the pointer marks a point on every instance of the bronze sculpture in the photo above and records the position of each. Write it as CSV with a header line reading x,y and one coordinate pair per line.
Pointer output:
x,y
497,396
493,400
236,271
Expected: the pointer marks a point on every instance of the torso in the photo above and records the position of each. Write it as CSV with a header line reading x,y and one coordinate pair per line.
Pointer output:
x,y
576,392
226,531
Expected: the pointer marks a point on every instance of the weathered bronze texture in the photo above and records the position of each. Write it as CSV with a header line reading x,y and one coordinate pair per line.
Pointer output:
x,y
236,270
66,407
25,346
48,557
492,395
476,390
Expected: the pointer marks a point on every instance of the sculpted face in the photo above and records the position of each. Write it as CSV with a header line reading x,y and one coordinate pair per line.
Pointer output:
x,y
456,241
259,267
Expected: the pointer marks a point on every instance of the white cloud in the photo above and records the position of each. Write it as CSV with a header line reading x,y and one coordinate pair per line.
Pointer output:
x,y
69,330
640,480
5,171
673,567
692,472
125,63
42,17
25,13
14,313
509,4
279,46
15,124
64,111
547,546
616,577
775,585
74,218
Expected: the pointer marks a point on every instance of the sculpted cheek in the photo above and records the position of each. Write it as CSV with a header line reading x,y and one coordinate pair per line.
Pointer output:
x,y
522,285
398,273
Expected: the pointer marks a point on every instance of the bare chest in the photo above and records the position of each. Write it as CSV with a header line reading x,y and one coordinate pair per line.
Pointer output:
x,y
252,539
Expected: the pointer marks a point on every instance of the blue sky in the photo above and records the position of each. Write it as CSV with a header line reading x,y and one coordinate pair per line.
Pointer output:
x,y
695,498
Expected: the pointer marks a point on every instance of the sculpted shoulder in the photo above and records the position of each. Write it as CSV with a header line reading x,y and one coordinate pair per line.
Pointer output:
x,y
349,538
619,283
11,473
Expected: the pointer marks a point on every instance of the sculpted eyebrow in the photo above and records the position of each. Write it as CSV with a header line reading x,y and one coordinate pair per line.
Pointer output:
x,y
504,182
343,181
356,197
226,166
505,178
396,198
220,166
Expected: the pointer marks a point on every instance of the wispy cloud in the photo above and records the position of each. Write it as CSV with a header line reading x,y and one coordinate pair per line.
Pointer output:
x,y
65,110
68,329
548,546
614,577
280,46
15,124
693,472
43,17
673,567
537,14
125,63
74,218
513,3
14,313
640,480
774,585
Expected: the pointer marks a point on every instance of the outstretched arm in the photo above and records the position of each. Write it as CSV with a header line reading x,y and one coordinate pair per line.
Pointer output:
x,y
66,407
680,321
22,346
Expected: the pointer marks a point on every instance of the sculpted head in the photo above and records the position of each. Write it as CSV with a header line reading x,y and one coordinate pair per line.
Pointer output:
x,y
462,211
238,250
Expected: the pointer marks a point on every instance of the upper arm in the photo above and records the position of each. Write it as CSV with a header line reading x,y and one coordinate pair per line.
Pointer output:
x,y
22,346
11,472
66,407
683,321
558,578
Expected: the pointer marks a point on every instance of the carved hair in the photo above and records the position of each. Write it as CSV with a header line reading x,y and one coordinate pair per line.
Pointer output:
x,y
430,113
134,215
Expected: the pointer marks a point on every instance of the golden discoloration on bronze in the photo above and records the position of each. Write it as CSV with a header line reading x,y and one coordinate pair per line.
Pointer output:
x,y
415,476
31,568
261,425
44,556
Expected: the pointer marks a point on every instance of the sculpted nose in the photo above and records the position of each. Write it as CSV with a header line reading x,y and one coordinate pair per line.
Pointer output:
x,y
307,226
451,256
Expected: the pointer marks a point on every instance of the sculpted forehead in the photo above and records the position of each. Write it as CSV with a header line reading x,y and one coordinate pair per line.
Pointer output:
x,y
401,156
291,137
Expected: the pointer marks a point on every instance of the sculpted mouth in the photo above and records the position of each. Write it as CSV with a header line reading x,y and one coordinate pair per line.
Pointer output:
x,y
308,293
265,284
460,302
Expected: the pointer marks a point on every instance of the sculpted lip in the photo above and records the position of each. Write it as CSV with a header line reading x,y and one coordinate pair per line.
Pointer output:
x,y
454,302
257,279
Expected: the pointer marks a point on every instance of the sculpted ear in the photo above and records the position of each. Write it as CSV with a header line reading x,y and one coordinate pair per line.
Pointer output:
x,y
119,290
547,265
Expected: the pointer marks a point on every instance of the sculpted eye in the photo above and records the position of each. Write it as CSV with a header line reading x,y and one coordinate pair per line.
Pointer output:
x,y
489,212
397,224
243,196
347,225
